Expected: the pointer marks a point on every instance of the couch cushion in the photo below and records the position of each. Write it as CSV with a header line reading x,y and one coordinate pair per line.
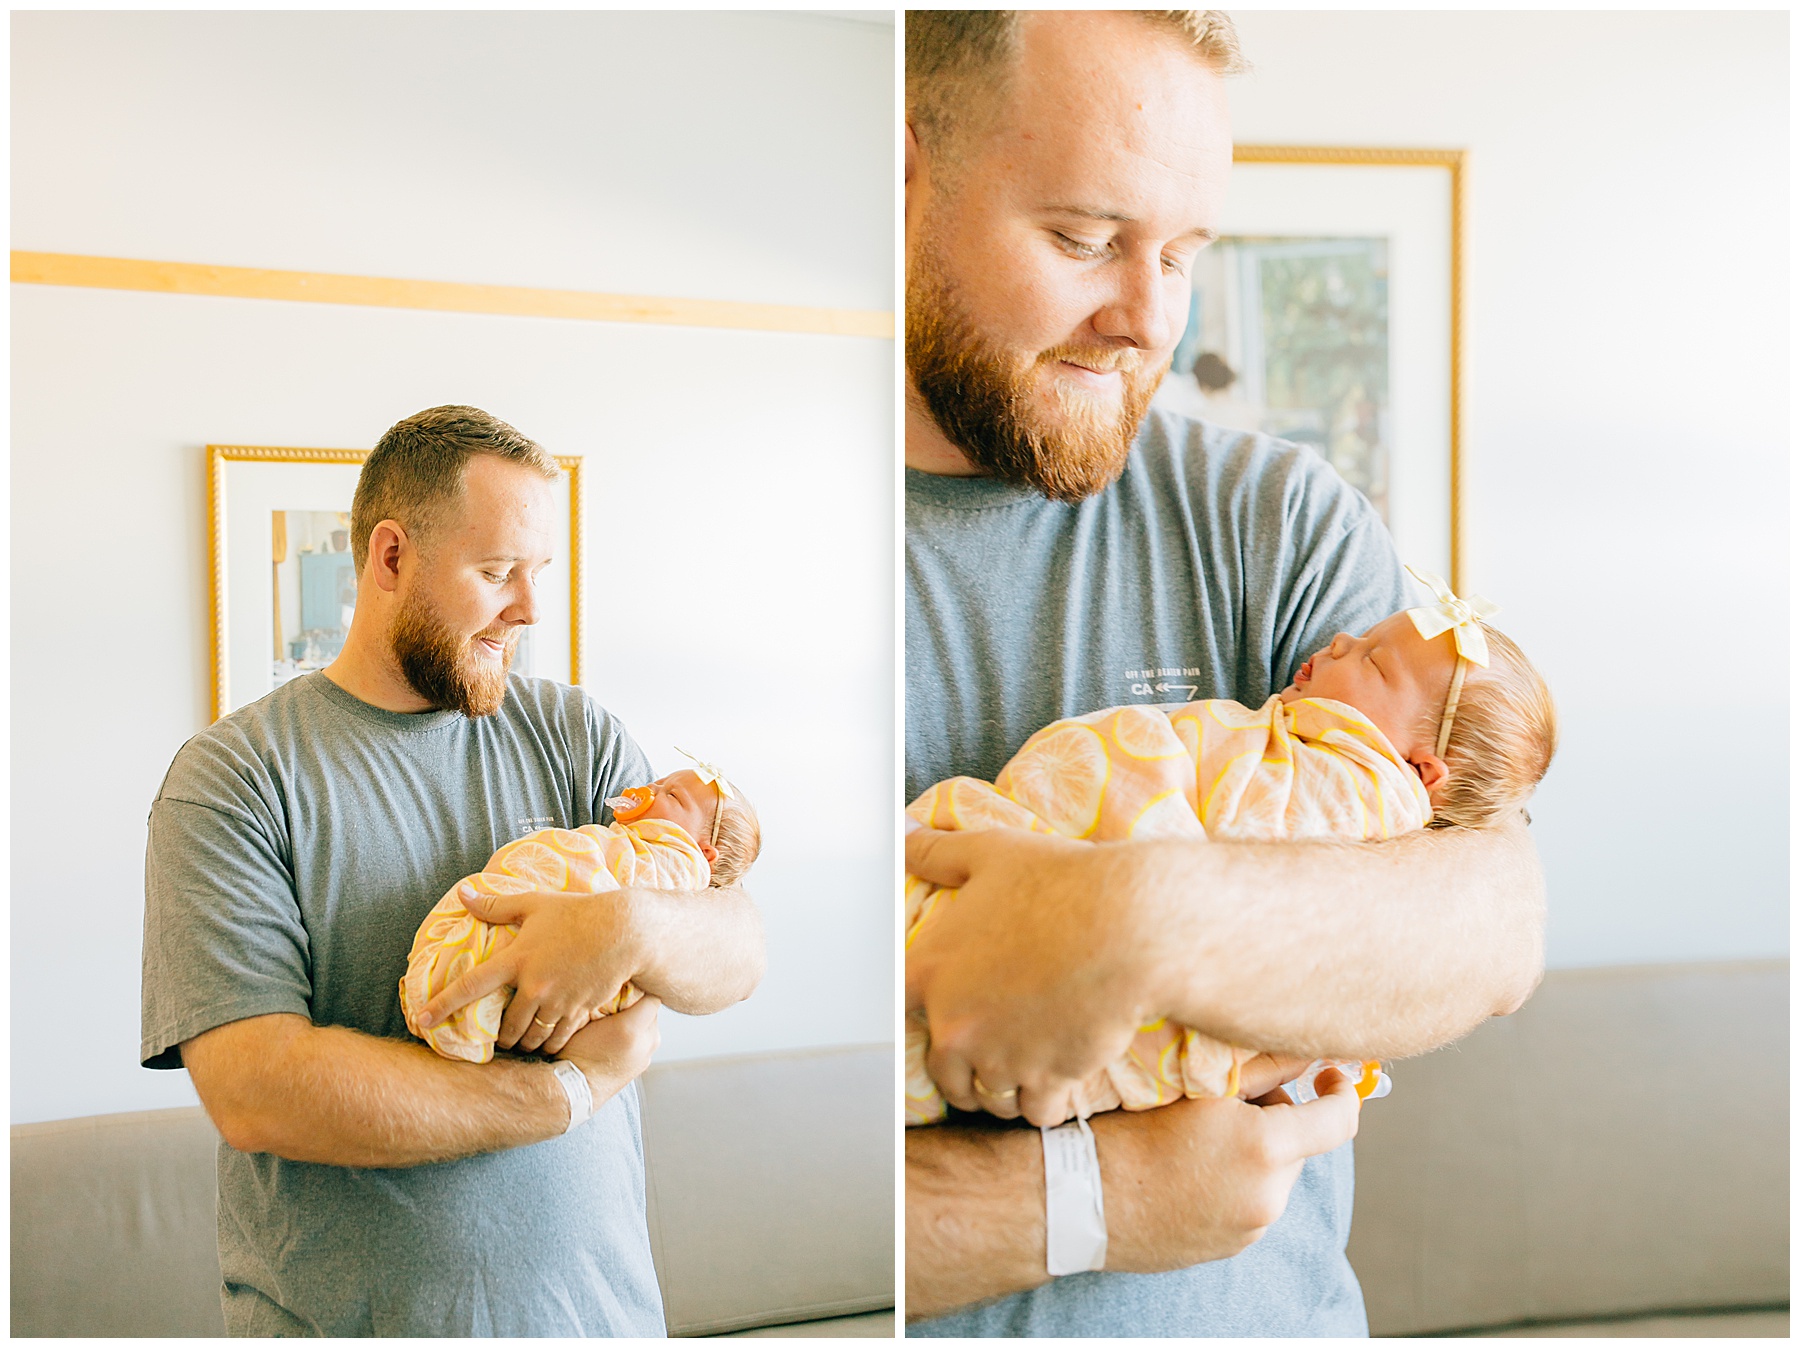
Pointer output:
x,y
771,1182
1619,1145
772,1186
114,1226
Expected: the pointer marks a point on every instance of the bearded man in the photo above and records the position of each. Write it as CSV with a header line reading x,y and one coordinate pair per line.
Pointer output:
x,y
1067,552
367,1186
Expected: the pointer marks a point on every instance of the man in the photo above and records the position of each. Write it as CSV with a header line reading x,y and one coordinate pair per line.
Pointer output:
x,y
1064,553
367,1186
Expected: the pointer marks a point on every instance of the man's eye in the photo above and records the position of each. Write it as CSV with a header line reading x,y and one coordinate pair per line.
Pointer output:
x,y
498,579
1078,248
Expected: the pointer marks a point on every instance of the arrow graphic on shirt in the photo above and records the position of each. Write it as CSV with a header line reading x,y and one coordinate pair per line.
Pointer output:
x,y
1189,688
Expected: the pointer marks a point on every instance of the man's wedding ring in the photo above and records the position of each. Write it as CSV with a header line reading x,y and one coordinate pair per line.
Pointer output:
x,y
547,1024
975,1081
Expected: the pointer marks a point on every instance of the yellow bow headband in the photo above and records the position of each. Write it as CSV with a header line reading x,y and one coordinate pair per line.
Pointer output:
x,y
1463,617
706,772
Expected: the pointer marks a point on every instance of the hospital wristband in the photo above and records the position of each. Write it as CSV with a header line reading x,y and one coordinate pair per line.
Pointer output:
x,y
581,1096
1074,1208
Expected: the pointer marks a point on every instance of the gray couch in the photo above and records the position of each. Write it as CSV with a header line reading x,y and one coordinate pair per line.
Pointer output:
x,y
1612,1160
771,1197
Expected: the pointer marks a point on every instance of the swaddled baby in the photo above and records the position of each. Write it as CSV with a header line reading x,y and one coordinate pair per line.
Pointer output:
x,y
690,830
1429,717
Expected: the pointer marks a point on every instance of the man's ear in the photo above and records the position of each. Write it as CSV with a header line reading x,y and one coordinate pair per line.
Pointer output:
x,y
387,545
1432,772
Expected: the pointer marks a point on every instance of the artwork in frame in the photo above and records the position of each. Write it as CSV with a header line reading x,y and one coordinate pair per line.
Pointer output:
x,y
1328,312
284,583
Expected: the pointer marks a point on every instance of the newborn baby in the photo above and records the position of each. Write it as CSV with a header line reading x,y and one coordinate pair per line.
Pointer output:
x,y
1428,717
689,830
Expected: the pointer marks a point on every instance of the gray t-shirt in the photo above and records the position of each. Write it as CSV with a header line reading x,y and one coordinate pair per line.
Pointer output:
x,y
294,848
1213,568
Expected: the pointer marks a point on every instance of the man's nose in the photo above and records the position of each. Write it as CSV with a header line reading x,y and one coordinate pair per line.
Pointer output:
x,y
524,605
1140,309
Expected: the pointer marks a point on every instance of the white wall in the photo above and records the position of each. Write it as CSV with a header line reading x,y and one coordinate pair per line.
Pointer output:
x,y
736,156
1627,391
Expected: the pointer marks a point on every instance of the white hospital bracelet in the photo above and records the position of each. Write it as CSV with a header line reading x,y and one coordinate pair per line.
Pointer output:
x,y
1074,1210
581,1096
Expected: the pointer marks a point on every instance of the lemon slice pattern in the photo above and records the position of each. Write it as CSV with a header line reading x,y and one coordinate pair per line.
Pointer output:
x,y
652,853
1283,771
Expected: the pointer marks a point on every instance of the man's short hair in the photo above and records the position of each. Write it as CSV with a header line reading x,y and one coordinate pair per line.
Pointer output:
x,y
958,63
416,473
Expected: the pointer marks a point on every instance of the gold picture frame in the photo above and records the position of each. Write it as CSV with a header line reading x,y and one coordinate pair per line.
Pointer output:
x,y
332,482
1454,165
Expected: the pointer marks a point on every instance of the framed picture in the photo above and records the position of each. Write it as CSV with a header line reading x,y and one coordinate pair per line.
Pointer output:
x,y
283,580
1328,312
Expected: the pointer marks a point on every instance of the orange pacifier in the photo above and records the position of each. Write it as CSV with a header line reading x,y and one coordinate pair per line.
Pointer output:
x,y
631,803
1373,1079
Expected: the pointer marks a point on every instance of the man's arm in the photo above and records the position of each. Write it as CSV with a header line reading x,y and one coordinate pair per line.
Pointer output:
x,y
330,1095
1054,951
1192,1181
700,952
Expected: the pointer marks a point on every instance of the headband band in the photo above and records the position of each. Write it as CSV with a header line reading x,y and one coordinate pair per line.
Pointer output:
x,y
1463,618
706,772
1449,717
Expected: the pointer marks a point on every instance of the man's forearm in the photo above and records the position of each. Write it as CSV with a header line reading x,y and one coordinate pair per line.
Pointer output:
x,y
1343,949
333,1096
703,951
974,1216
1189,1182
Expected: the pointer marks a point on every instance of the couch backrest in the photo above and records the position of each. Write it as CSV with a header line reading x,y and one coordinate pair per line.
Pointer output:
x,y
1619,1145
770,1192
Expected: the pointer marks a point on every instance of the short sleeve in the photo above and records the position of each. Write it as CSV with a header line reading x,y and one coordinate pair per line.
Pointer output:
x,y
223,936
618,762
1346,575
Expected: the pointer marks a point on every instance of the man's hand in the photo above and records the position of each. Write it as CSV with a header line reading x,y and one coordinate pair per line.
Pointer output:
x,y
1190,1182
1204,1179
614,1050
698,952
1036,973
1030,974
572,955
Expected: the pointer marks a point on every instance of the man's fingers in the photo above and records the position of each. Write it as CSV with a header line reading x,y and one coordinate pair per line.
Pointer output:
x,y
639,1012
938,857
521,1011
953,1075
499,908
565,1030
497,973
1321,1125
1047,1108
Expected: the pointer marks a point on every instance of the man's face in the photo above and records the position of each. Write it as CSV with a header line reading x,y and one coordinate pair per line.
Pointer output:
x,y
458,622
1048,281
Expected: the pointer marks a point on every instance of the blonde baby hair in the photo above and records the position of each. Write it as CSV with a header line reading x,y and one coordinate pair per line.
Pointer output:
x,y
1501,740
739,839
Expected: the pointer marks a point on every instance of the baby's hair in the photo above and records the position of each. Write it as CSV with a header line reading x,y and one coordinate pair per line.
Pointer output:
x,y
1501,740
739,840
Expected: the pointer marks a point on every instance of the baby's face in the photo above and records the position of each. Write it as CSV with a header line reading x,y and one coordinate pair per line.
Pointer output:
x,y
1390,674
682,798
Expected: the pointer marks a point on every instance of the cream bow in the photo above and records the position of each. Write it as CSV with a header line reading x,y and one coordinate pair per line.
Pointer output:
x,y
1462,616
706,772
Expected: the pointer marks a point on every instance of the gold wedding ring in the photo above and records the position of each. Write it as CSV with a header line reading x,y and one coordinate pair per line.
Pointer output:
x,y
547,1024
975,1081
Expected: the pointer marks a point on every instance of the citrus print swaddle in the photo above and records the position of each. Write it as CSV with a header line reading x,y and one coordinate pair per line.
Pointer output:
x,y
651,853
1311,768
